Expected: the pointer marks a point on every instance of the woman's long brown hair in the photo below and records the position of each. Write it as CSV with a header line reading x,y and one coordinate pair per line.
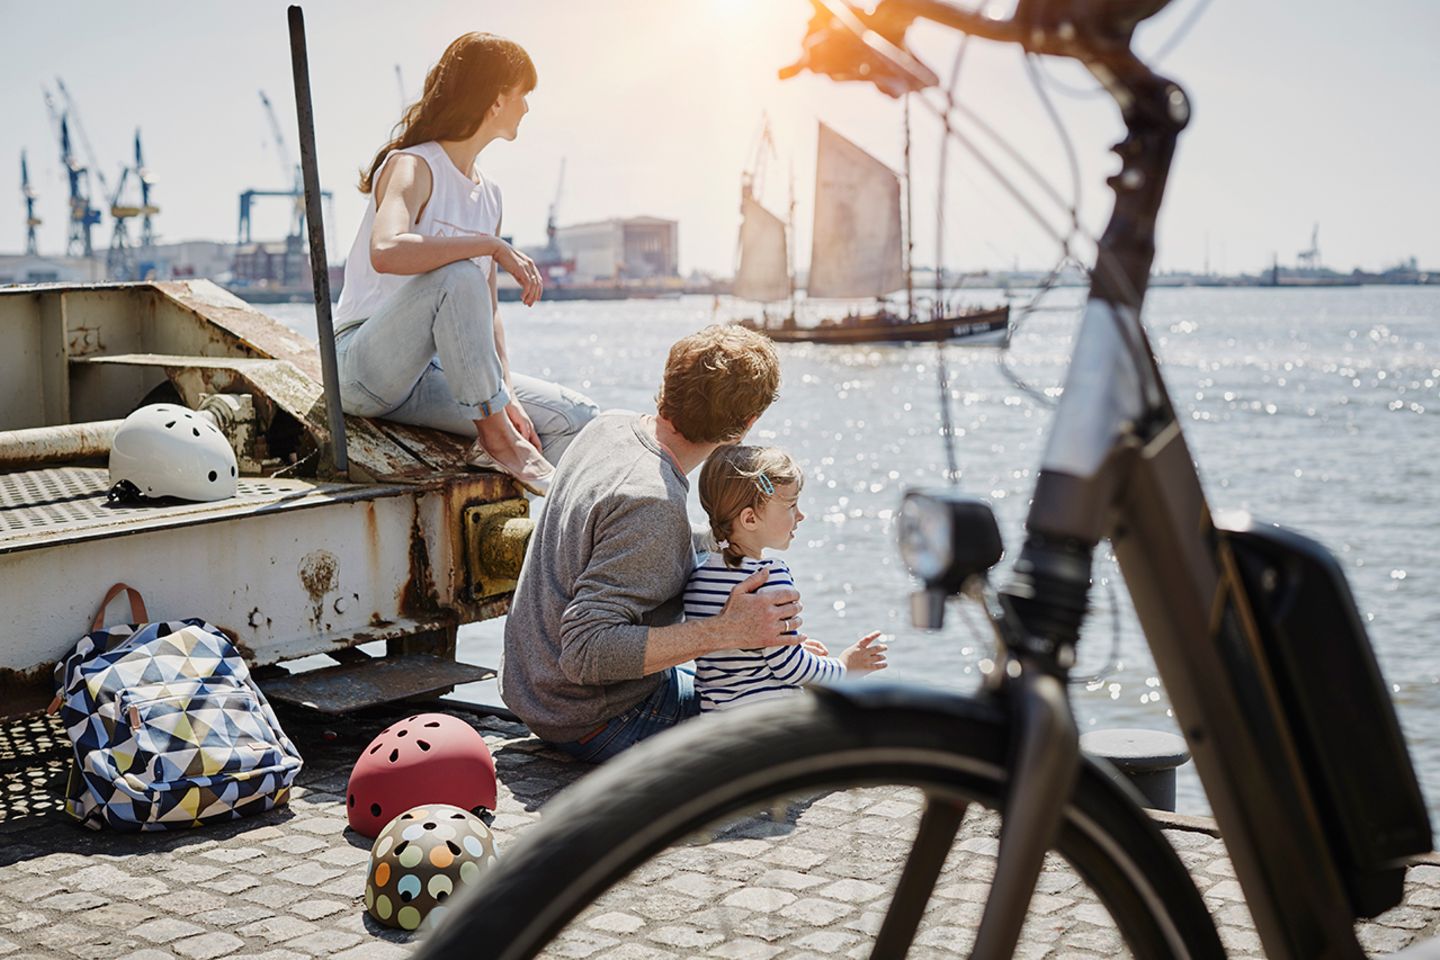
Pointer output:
x,y
459,90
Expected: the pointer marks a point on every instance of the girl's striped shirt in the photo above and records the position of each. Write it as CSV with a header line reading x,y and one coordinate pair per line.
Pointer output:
x,y
728,678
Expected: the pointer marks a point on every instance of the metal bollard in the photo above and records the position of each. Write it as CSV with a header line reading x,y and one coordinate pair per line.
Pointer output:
x,y
1147,758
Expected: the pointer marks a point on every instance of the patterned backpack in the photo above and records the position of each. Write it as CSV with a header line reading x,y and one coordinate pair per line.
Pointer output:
x,y
168,728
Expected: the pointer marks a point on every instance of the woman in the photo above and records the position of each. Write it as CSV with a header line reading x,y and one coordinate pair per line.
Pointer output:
x,y
418,336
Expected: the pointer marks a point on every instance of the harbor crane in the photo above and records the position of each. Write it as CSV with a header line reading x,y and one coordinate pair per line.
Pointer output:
x,y
31,221
73,112
119,264
120,261
82,215
288,168
147,209
551,260
550,220
1310,259
291,267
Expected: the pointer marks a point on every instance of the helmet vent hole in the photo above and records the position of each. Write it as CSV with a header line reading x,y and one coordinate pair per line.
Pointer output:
x,y
374,809
195,430
376,747
454,847
401,846
422,744
394,755
352,799
406,895
213,476
431,825
170,424
456,816
433,723
441,895
232,471
402,733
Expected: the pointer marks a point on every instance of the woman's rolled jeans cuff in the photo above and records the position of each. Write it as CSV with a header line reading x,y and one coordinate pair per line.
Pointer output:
x,y
674,700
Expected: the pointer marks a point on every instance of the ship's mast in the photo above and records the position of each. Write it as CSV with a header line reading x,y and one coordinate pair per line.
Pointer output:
x,y
790,241
909,232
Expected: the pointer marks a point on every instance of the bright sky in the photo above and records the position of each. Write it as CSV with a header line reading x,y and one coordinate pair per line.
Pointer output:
x,y
1306,111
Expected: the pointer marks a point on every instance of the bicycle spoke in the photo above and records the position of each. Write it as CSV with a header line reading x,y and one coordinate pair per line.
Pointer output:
x,y
938,826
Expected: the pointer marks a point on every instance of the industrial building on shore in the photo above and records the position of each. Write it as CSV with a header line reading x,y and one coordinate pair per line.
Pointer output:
x,y
621,249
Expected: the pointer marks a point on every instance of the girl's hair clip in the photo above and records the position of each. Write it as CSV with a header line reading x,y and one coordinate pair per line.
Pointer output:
x,y
766,487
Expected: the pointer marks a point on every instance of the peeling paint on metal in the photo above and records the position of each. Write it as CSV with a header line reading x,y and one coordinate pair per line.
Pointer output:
x,y
417,593
320,575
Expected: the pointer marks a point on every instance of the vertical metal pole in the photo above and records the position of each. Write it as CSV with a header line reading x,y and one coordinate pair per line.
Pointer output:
x,y
909,225
319,269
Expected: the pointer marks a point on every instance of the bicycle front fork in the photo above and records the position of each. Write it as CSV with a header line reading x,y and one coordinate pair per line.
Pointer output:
x,y
1037,619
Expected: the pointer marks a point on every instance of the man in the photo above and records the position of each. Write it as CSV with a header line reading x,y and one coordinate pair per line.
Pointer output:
x,y
594,637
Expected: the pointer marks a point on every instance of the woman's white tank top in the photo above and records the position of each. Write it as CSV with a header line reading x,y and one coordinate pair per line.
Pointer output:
x,y
458,206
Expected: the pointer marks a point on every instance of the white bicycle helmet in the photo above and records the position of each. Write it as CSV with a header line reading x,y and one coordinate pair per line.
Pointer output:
x,y
163,450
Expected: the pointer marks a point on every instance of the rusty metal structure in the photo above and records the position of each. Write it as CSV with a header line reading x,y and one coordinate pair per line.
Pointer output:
x,y
298,563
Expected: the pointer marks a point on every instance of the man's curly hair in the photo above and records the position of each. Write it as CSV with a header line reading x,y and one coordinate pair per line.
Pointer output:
x,y
717,381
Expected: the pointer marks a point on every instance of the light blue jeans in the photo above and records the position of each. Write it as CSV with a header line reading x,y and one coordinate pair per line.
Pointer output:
x,y
427,358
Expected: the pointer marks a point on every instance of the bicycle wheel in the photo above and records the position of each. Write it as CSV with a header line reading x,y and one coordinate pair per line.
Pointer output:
x,y
689,785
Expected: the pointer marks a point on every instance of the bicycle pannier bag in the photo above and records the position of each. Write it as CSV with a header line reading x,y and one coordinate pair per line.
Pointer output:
x,y
168,728
1339,710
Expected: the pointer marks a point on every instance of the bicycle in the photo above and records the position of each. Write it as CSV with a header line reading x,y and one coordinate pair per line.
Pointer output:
x,y
1318,822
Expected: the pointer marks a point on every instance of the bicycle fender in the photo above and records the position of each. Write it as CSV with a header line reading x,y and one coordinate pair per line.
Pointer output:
x,y
867,695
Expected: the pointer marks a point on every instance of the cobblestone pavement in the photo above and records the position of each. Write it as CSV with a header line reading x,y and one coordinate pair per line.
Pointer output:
x,y
808,879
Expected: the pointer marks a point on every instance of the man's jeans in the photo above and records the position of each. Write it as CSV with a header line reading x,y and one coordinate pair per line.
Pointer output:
x,y
673,700
427,358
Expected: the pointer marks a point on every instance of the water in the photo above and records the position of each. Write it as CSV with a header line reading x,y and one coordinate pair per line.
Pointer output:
x,y
1319,409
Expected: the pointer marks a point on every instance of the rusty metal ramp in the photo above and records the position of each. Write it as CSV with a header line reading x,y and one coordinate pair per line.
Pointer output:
x,y
369,683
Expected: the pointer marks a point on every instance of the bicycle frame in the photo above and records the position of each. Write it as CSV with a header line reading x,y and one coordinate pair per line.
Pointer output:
x,y
1116,465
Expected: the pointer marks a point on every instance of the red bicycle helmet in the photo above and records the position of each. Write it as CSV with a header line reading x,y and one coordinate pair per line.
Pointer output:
x,y
428,758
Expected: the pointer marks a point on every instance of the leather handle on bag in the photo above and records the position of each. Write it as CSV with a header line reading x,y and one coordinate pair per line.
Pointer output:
x,y
137,605
138,614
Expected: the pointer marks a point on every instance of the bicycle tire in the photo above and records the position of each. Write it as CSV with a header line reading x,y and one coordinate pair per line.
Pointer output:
x,y
662,790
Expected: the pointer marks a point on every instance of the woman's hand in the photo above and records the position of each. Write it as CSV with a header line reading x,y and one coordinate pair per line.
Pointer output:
x,y
521,421
523,269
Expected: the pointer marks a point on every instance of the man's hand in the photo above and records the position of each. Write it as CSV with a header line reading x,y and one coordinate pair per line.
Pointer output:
x,y
523,269
866,656
752,619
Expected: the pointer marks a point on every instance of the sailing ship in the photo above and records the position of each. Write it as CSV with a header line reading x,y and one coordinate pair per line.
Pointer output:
x,y
860,252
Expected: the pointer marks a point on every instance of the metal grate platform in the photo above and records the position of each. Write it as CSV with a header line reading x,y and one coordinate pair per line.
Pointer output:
x,y
70,502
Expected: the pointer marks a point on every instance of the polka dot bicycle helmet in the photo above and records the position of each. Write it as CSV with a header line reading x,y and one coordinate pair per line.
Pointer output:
x,y
165,450
420,859
429,758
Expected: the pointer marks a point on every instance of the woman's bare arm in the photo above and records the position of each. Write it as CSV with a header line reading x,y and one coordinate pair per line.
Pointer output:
x,y
401,193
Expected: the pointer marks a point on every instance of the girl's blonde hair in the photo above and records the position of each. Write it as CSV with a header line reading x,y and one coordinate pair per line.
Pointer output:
x,y
736,477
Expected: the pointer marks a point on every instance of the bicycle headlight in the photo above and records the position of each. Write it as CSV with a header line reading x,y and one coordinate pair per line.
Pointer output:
x,y
946,538
925,536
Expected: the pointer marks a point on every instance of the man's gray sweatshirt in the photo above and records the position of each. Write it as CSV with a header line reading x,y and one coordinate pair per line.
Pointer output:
x,y
608,560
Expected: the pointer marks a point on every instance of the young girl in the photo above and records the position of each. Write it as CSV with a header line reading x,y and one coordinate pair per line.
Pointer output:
x,y
418,338
752,496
